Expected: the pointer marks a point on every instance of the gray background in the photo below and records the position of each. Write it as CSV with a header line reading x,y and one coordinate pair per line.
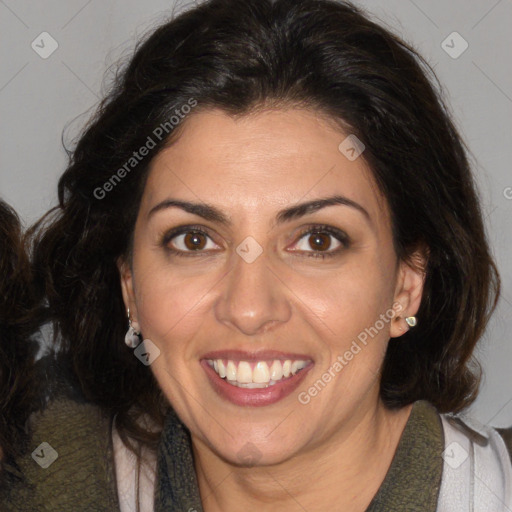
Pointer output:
x,y
40,97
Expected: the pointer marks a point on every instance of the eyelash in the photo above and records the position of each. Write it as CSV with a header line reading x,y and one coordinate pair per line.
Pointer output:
x,y
311,230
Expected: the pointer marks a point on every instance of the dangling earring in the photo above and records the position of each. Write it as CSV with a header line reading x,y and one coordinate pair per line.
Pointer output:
x,y
132,337
411,321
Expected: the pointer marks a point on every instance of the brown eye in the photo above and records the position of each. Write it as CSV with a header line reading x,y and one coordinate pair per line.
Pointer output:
x,y
185,241
319,241
194,240
322,241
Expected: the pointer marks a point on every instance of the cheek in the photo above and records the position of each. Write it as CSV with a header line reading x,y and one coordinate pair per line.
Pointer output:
x,y
170,305
348,304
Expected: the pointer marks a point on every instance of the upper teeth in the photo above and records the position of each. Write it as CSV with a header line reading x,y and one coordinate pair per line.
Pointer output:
x,y
256,374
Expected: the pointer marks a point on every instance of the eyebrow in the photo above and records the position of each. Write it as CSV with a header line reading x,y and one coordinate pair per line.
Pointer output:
x,y
213,214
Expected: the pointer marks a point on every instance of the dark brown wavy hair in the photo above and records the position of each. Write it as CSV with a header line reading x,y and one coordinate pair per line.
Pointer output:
x,y
241,56
18,323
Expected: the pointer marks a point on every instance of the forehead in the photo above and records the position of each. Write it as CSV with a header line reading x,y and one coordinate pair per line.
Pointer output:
x,y
258,163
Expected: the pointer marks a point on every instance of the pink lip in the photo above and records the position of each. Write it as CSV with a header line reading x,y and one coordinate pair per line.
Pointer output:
x,y
262,355
253,397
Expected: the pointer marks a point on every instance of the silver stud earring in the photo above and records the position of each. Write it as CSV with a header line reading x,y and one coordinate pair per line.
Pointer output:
x,y
411,321
132,337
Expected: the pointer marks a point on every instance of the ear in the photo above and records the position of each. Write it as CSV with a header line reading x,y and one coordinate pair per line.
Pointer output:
x,y
409,290
126,276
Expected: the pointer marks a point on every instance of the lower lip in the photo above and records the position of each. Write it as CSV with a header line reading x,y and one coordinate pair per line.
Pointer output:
x,y
257,396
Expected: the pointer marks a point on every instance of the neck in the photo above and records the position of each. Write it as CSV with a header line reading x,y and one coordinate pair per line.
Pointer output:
x,y
344,472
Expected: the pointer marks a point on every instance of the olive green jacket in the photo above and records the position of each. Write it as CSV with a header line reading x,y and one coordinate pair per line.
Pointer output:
x,y
74,470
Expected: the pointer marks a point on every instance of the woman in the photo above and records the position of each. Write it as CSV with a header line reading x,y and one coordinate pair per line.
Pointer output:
x,y
17,350
273,199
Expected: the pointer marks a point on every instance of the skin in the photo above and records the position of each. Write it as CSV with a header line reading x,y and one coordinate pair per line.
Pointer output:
x,y
333,452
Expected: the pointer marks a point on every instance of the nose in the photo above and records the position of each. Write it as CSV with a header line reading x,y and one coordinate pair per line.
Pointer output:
x,y
253,299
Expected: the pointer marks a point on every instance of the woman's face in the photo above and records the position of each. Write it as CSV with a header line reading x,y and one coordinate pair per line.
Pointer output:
x,y
256,271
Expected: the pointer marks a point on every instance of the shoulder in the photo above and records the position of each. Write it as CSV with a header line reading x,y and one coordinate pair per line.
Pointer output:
x,y
69,463
483,435
506,434
477,467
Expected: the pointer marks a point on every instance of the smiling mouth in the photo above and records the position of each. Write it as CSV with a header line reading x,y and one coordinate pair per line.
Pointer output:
x,y
257,374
